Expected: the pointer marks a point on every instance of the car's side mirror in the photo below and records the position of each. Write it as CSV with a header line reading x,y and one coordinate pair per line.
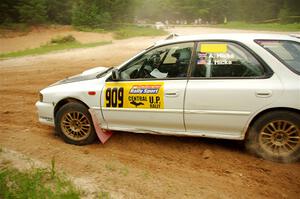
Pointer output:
x,y
115,75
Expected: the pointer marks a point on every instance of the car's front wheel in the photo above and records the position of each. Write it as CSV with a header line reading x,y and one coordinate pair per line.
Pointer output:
x,y
74,124
276,136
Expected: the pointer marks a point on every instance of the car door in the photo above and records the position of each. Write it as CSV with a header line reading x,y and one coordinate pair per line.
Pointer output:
x,y
228,85
149,95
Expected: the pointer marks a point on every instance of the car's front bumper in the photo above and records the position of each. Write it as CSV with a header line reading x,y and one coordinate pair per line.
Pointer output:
x,y
45,113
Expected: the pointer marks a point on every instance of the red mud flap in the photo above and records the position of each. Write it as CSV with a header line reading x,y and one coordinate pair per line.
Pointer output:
x,y
102,134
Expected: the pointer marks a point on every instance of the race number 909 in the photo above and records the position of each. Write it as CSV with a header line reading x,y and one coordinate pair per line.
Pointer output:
x,y
114,97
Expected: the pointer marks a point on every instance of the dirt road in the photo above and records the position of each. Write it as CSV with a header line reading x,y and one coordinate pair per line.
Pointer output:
x,y
16,41
131,165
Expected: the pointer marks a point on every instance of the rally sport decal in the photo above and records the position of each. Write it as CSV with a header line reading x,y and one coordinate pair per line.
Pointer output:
x,y
148,95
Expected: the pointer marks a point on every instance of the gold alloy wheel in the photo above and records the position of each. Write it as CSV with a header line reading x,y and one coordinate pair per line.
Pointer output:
x,y
75,125
280,137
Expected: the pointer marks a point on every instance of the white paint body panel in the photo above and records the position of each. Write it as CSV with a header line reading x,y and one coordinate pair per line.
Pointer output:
x,y
45,113
76,90
168,119
93,70
211,108
224,106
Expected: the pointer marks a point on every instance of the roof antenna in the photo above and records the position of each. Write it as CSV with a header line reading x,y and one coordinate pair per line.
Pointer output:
x,y
171,36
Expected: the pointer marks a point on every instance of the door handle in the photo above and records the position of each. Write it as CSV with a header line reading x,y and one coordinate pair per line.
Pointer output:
x,y
263,93
172,94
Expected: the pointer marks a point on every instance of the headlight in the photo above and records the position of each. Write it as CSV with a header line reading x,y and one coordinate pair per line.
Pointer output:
x,y
41,97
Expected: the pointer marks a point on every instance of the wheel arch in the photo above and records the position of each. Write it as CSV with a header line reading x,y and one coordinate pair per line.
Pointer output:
x,y
79,106
65,101
255,118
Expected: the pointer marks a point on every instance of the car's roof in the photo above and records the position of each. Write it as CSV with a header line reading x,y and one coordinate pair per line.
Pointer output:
x,y
241,37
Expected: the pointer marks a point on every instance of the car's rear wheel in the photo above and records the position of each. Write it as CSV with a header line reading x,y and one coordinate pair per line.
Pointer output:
x,y
74,124
276,136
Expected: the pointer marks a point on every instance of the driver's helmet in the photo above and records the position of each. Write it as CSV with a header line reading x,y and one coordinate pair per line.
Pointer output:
x,y
182,55
154,60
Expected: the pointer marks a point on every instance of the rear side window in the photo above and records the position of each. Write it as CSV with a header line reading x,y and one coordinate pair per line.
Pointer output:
x,y
226,60
288,52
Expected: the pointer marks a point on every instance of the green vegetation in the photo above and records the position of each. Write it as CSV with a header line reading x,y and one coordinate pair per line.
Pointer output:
x,y
20,27
108,13
89,29
145,175
135,31
63,39
219,11
269,26
124,171
90,15
59,11
102,13
69,42
111,167
104,195
54,46
35,183
32,11
116,166
125,32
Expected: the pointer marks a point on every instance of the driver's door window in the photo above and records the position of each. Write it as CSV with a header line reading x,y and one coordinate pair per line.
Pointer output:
x,y
171,61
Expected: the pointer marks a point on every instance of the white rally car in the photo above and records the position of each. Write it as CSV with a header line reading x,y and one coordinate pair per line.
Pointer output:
x,y
232,86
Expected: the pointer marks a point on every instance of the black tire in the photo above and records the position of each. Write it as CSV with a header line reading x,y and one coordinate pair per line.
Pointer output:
x,y
275,136
74,124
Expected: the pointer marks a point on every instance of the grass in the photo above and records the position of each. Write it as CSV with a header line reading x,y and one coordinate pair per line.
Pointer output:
x,y
104,195
63,39
110,167
69,42
124,171
35,183
145,175
266,26
126,31
136,31
116,166
50,47
88,29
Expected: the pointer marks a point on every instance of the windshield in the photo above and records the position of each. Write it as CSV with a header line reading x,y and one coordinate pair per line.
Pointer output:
x,y
288,52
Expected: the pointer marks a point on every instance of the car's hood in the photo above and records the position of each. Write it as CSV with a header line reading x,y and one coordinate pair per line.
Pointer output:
x,y
85,75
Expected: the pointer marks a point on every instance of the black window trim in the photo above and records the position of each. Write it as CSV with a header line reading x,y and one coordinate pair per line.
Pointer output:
x,y
275,55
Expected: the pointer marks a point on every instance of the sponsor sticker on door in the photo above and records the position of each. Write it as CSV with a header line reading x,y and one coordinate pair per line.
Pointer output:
x,y
146,95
